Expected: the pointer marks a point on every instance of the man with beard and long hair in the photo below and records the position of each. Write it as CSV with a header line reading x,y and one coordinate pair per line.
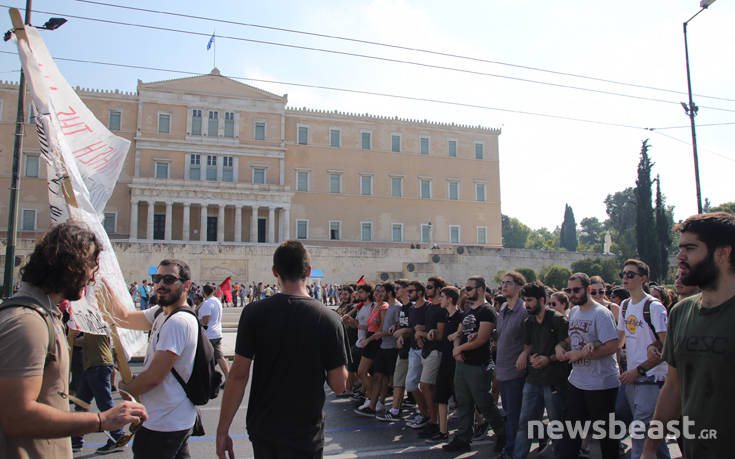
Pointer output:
x,y
593,381
172,345
699,346
543,329
35,420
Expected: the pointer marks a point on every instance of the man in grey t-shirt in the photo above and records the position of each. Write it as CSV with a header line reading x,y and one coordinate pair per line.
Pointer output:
x,y
593,382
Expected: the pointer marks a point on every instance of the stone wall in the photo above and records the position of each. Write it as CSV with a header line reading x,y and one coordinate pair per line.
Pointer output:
x,y
252,262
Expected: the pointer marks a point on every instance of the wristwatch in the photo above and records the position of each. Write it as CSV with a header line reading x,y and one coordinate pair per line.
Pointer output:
x,y
641,370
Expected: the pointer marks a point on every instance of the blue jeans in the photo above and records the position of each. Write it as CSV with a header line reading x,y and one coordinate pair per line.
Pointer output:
x,y
95,382
535,398
144,304
511,394
642,399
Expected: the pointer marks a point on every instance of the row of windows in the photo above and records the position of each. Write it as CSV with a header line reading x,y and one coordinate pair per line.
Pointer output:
x,y
396,186
198,127
29,221
366,232
205,167
366,138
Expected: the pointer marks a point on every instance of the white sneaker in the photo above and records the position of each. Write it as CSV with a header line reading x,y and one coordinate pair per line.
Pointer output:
x,y
365,405
379,406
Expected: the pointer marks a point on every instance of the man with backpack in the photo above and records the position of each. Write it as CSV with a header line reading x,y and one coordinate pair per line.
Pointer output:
x,y
172,346
291,338
642,324
34,359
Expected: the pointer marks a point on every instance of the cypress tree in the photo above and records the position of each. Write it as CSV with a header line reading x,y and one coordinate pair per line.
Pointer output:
x,y
663,234
568,237
645,223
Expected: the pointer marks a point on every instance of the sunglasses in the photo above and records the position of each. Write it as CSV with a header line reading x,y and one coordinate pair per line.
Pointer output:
x,y
575,290
553,304
411,290
430,287
167,279
628,274
469,289
508,283
598,292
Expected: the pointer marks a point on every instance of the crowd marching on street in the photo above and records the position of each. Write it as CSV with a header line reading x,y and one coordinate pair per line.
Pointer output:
x,y
452,359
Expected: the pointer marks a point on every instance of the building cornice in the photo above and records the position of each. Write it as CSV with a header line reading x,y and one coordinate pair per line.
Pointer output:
x,y
147,143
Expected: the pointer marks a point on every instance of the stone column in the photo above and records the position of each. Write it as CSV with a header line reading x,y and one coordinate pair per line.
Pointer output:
x,y
271,224
254,224
149,223
286,223
169,223
238,224
187,220
203,223
133,220
221,223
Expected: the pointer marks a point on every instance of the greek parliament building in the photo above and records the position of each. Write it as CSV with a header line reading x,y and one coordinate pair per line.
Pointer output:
x,y
216,160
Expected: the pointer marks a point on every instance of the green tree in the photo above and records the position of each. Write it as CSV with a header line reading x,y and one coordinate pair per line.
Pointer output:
x,y
542,239
664,225
728,207
591,234
621,212
557,276
499,276
515,233
568,237
645,222
528,273
607,268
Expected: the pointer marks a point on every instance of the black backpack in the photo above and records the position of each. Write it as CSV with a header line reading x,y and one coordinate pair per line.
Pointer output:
x,y
204,382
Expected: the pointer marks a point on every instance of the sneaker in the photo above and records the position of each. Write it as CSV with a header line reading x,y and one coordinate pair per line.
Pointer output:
x,y
456,445
364,404
357,395
380,406
429,430
387,416
438,437
109,447
365,411
418,422
479,430
77,444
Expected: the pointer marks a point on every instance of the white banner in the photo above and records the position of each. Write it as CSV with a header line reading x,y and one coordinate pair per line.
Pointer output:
x,y
78,148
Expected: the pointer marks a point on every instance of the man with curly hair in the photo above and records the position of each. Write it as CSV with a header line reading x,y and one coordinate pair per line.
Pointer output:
x,y
35,420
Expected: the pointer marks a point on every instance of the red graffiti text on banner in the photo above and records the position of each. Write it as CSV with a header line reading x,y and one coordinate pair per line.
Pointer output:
x,y
71,122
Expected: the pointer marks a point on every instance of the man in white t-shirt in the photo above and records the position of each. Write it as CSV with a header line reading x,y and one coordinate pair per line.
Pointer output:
x,y
645,375
210,315
172,345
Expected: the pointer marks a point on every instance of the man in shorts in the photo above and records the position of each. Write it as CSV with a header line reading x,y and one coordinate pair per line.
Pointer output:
x,y
210,315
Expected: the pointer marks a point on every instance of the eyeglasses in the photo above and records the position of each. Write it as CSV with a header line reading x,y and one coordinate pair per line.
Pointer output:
x,y
598,292
628,274
430,287
413,290
553,304
574,289
508,283
167,279
469,289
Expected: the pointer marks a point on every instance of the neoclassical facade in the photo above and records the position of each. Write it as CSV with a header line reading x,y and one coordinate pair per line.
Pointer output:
x,y
216,160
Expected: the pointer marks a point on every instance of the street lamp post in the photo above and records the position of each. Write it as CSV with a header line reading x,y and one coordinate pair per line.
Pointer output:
x,y
12,237
692,109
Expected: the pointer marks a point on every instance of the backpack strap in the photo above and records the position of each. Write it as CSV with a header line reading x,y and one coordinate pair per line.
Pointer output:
x,y
624,305
184,309
647,318
30,303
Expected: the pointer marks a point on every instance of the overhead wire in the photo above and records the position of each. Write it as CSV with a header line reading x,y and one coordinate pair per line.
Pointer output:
x,y
380,58
401,47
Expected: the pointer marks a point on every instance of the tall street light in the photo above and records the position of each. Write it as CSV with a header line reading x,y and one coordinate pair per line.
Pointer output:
x,y
692,109
12,237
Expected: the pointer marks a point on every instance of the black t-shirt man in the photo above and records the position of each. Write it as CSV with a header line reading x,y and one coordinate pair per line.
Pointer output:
x,y
453,322
291,339
435,315
543,338
403,323
471,325
417,316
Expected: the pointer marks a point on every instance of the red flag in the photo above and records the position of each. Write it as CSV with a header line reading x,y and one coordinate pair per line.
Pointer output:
x,y
225,289
361,280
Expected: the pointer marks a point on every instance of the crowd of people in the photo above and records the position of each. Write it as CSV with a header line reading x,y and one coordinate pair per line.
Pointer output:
x,y
408,351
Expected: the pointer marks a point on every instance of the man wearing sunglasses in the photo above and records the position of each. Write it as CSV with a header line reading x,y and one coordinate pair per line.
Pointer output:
x,y
699,346
35,421
642,324
593,381
172,345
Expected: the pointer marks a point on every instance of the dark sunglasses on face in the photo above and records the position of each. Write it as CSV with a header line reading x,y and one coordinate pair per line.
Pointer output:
x,y
411,290
167,279
553,304
575,290
469,289
628,274
597,292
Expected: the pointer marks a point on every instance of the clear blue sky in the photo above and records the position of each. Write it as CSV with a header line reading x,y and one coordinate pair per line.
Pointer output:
x,y
544,162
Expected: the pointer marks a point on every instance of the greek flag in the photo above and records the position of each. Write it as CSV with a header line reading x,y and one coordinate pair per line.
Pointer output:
x,y
210,42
